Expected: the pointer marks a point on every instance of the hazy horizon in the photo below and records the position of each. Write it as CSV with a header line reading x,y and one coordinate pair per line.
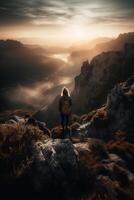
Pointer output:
x,y
67,22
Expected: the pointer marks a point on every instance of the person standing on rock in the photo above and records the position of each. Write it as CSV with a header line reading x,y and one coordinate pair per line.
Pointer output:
x,y
65,104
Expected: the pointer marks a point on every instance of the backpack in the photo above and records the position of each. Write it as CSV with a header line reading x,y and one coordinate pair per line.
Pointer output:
x,y
66,108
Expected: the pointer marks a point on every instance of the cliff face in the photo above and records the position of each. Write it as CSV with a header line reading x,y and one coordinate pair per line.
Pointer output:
x,y
99,77
117,115
120,106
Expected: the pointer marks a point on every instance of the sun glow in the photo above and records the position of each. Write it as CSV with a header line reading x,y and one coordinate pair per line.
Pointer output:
x,y
72,33
77,32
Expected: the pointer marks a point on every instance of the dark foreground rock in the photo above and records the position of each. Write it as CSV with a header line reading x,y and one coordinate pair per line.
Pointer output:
x,y
37,167
56,165
63,170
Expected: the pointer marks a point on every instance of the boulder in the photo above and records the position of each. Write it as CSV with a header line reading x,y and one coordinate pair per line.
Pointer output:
x,y
56,165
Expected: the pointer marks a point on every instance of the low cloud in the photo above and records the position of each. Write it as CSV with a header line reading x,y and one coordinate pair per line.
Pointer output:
x,y
33,96
20,65
31,77
37,96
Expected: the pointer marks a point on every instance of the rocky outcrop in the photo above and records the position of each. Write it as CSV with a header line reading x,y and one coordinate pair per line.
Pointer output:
x,y
56,165
116,115
63,170
99,125
120,106
99,77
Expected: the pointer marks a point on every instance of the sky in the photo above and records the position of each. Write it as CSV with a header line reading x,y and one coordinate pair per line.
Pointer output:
x,y
64,22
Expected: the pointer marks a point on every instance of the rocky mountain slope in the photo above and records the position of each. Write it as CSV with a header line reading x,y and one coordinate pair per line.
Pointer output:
x,y
99,76
96,164
116,115
116,44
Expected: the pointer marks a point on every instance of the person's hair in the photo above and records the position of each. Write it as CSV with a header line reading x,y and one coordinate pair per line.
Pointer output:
x,y
65,92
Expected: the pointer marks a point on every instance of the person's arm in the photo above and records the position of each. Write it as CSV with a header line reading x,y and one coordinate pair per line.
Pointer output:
x,y
70,102
60,105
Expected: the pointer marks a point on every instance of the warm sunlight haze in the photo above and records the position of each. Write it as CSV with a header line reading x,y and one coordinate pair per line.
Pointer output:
x,y
65,22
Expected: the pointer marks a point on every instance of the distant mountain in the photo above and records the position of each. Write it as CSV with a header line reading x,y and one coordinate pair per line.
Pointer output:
x,y
90,44
116,44
18,64
89,52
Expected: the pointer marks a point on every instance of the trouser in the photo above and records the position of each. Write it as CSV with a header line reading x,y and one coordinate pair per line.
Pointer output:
x,y
64,120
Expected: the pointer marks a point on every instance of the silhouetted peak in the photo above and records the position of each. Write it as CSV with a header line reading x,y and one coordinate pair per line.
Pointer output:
x,y
85,66
125,36
10,44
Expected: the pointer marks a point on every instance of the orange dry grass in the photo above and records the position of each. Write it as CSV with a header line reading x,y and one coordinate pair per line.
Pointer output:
x,y
18,131
106,189
90,115
120,146
120,135
15,153
56,132
102,113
